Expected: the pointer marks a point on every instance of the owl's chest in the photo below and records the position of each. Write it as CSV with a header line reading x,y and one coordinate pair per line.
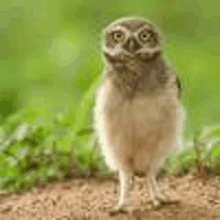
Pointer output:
x,y
139,117
147,115
145,110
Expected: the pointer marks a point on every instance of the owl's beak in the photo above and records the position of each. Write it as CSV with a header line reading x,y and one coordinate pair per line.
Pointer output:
x,y
131,45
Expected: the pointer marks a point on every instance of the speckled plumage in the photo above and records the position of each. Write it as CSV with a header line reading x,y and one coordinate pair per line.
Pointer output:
x,y
137,115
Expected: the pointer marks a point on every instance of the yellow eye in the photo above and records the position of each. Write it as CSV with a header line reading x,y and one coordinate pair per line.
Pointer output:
x,y
144,36
118,36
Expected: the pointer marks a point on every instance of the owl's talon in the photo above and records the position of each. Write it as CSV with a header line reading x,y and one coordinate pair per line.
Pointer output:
x,y
160,201
163,198
119,209
157,204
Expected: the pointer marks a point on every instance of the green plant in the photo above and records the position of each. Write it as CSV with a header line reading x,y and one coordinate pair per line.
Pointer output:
x,y
203,151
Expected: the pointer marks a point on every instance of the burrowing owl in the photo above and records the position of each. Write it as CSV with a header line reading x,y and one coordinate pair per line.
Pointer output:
x,y
137,113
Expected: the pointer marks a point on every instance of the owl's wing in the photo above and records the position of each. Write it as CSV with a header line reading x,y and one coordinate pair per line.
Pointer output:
x,y
174,79
179,85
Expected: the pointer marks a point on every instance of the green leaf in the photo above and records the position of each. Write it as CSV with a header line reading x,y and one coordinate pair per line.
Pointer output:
x,y
216,133
215,152
10,172
65,143
85,131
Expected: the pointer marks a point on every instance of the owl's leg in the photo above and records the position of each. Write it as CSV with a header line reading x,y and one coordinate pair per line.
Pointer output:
x,y
116,183
157,192
125,187
168,141
117,187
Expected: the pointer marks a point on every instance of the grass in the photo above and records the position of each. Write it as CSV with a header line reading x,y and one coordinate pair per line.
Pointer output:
x,y
203,151
43,151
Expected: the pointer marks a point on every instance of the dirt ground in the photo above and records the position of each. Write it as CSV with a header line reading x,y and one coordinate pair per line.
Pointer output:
x,y
91,199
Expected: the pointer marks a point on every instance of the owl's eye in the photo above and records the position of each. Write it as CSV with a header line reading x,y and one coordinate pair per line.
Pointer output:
x,y
144,36
118,36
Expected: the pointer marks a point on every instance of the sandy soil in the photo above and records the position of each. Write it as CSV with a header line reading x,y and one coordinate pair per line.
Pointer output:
x,y
91,199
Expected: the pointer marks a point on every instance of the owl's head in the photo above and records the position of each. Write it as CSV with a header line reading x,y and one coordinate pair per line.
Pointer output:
x,y
131,38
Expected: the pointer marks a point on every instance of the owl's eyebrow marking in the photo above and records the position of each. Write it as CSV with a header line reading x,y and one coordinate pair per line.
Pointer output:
x,y
133,26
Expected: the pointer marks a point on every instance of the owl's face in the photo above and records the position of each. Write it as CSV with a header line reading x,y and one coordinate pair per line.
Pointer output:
x,y
131,38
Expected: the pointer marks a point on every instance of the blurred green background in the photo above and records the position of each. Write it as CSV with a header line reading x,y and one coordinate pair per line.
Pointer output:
x,y
50,51
51,63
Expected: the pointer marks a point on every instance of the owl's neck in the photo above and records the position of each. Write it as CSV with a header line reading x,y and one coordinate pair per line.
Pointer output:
x,y
138,76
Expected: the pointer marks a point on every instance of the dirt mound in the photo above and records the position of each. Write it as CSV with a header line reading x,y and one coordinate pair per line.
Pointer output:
x,y
91,199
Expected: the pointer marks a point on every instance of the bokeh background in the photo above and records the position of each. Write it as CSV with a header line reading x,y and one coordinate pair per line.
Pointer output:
x,y
51,63
50,50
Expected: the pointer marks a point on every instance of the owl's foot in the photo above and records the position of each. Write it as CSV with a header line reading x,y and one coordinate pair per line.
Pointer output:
x,y
162,199
123,208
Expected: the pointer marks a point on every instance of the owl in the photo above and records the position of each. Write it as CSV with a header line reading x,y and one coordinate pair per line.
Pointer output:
x,y
137,115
